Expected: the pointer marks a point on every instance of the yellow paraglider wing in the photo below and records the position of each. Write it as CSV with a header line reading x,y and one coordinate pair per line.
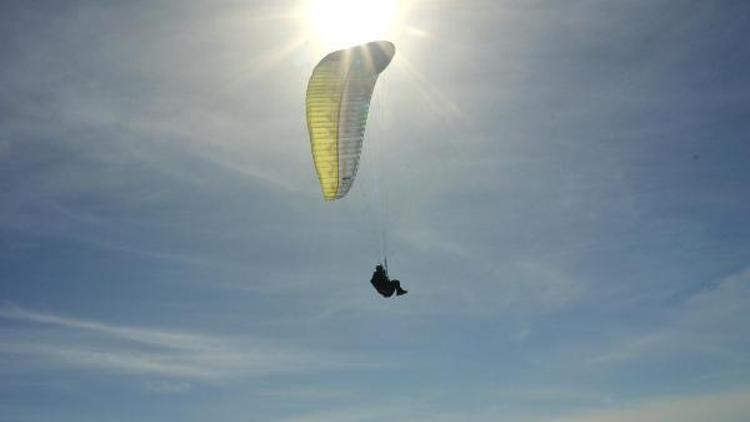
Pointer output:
x,y
337,105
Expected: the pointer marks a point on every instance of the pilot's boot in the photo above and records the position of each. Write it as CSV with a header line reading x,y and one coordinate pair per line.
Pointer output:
x,y
399,290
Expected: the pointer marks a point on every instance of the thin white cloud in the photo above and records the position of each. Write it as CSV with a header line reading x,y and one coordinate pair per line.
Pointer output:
x,y
98,346
376,410
731,406
721,407
144,336
709,323
168,387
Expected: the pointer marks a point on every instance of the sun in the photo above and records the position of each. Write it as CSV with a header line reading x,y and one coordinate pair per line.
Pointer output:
x,y
336,24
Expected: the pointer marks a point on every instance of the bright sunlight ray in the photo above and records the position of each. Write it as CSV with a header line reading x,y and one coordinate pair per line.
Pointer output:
x,y
336,24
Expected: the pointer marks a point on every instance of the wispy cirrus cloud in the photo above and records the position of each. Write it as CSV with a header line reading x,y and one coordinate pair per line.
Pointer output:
x,y
82,344
733,406
709,323
727,406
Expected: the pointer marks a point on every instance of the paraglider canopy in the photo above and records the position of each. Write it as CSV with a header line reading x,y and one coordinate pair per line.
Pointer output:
x,y
337,106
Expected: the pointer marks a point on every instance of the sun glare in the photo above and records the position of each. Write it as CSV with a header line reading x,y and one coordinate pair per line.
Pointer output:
x,y
336,24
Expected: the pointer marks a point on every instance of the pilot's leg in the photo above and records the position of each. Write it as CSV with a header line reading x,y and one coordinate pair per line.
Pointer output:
x,y
399,290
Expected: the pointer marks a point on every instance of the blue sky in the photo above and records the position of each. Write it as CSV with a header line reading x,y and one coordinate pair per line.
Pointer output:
x,y
565,190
